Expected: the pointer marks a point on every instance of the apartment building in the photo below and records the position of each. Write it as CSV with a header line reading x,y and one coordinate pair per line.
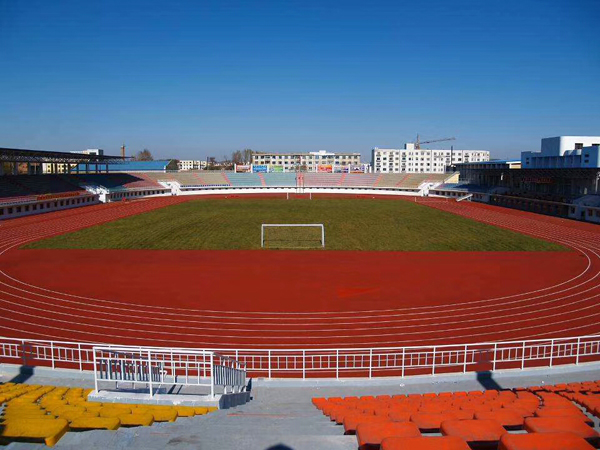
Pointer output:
x,y
412,160
321,161
191,164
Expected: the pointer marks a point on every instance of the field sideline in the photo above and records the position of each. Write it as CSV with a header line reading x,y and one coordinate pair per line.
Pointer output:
x,y
350,224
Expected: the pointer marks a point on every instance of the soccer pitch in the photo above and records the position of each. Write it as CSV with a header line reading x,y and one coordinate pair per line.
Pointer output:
x,y
350,224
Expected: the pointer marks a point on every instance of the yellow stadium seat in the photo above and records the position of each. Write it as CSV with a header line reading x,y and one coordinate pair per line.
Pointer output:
x,y
136,419
185,411
34,430
164,414
95,423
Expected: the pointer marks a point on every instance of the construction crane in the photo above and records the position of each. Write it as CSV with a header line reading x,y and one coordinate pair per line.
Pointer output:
x,y
418,142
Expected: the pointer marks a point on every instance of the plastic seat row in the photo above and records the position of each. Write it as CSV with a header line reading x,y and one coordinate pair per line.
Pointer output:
x,y
34,413
476,418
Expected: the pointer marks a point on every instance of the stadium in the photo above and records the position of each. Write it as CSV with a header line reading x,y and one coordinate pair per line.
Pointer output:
x,y
146,282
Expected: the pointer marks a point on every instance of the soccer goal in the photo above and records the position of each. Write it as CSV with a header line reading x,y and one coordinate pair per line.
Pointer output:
x,y
292,235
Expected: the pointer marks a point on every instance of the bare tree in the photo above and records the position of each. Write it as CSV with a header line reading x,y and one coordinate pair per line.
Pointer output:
x,y
237,158
248,155
144,155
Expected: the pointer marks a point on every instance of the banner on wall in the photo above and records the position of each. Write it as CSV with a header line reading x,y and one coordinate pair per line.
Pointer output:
x,y
327,168
243,168
357,169
276,168
260,168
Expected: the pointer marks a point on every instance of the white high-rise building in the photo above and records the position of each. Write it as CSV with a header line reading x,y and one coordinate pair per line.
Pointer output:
x,y
412,160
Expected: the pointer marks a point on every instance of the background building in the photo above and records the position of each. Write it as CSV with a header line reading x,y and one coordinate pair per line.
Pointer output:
x,y
321,161
192,164
412,160
564,152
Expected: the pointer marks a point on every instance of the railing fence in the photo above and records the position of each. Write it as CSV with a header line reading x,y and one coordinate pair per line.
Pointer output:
x,y
228,368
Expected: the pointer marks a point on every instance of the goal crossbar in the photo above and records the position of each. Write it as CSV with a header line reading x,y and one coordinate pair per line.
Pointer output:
x,y
266,225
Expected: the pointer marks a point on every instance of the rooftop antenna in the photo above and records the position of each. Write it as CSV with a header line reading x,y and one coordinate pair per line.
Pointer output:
x,y
123,151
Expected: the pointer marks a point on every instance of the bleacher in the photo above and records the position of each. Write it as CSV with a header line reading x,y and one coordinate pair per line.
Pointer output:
x,y
550,417
45,184
279,179
44,414
116,181
193,178
24,187
410,180
312,179
244,179
288,179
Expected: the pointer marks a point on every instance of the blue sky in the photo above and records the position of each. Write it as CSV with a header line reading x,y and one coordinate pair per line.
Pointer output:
x,y
191,79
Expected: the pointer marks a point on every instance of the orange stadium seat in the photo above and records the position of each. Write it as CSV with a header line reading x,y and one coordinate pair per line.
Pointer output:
x,y
424,443
431,422
509,419
543,441
568,424
563,412
370,435
474,432
351,421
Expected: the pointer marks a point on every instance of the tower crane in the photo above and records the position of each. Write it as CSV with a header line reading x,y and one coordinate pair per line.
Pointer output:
x,y
418,142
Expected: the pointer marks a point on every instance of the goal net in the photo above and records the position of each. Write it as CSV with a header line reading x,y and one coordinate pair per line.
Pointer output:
x,y
292,235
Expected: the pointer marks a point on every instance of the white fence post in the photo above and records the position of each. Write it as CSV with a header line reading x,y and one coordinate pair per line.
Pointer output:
x,y
551,351
269,363
578,345
150,372
212,376
433,362
23,353
523,356
52,353
303,364
465,359
80,361
403,354
495,351
337,364
95,371
370,363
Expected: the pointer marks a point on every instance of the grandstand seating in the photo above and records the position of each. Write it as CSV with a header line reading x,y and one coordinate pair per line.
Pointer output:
x,y
18,186
409,180
116,181
35,413
359,180
477,419
279,179
312,179
244,179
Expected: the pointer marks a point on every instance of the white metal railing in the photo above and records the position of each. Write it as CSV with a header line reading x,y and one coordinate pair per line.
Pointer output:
x,y
228,365
153,366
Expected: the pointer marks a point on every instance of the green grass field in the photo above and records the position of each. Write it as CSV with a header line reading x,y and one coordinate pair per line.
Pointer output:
x,y
350,224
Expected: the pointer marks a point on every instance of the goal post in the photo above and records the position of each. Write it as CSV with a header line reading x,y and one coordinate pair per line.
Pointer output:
x,y
305,237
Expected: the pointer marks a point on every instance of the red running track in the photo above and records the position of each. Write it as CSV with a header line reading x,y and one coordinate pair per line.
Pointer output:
x,y
297,299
